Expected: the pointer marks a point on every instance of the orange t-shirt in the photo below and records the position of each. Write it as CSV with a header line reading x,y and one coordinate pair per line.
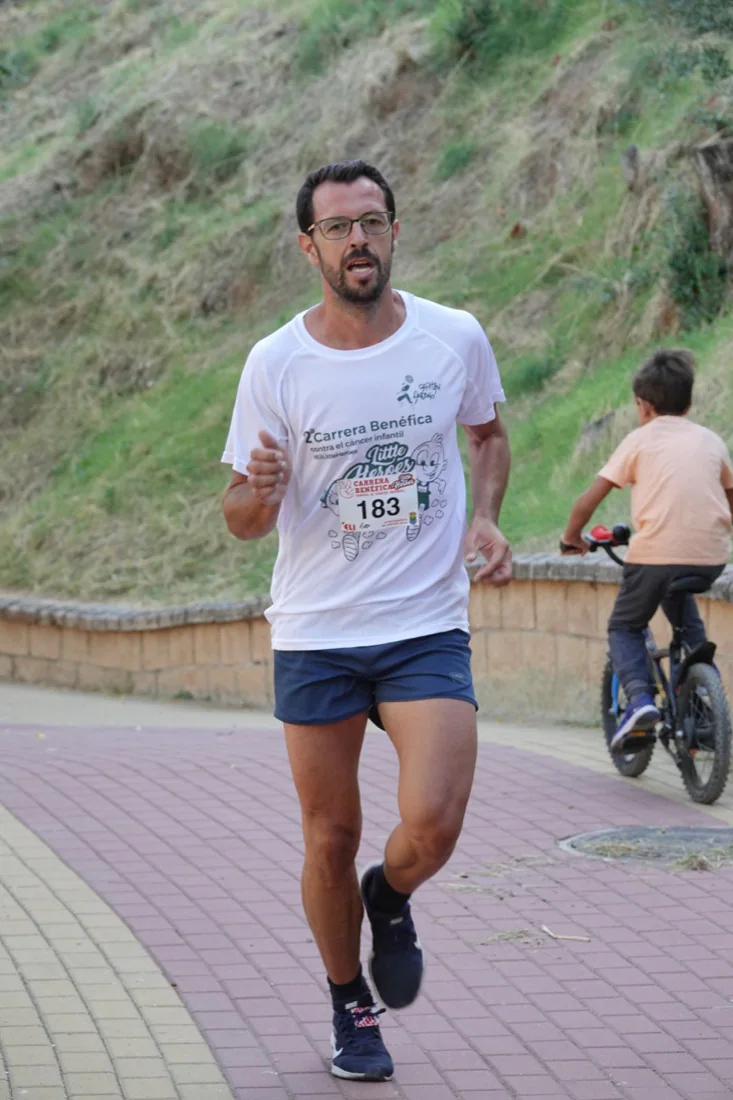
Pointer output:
x,y
678,472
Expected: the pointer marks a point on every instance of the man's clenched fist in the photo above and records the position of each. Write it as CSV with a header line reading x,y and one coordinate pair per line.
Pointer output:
x,y
268,470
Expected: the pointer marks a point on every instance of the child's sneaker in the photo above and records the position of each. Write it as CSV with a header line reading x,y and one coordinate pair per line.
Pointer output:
x,y
640,717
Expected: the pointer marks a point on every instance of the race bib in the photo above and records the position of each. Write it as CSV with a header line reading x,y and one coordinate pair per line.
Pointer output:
x,y
376,503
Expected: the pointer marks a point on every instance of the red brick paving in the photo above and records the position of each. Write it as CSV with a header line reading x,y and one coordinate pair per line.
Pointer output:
x,y
193,837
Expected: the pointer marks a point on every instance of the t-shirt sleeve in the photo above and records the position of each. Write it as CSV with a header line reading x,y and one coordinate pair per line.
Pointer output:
x,y
621,466
255,409
483,387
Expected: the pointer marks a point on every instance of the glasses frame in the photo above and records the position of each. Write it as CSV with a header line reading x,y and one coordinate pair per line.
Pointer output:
x,y
352,222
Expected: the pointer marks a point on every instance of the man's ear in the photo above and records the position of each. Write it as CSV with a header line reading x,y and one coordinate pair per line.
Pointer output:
x,y
305,242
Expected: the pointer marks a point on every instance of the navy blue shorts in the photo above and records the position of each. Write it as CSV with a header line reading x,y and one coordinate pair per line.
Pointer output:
x,y
317,687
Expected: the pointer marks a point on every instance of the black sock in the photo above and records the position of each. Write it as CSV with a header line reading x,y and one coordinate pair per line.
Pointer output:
x,y
351,991
383,897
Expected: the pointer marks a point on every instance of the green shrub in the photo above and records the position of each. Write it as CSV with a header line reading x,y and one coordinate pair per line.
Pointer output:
x,y
697,276
699,16
49,39
86,114
75,24
679,62
532,373
657,71
334,25
17,67
481,32
217,151
168,234
474,31
714,65
454,158
718,121
177,33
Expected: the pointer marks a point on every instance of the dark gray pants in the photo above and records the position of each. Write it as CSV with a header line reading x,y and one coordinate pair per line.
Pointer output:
x,y
643,590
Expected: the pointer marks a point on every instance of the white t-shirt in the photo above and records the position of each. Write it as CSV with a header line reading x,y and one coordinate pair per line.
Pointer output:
x,y
378,414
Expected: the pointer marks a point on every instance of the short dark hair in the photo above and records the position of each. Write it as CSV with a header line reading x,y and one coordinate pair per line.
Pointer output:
x,y
665,380
343,172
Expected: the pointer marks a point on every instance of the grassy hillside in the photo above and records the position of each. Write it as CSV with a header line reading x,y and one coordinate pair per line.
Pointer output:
x,y
149,157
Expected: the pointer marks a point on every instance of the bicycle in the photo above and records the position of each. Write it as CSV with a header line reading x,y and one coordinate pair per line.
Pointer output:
x,y
695,728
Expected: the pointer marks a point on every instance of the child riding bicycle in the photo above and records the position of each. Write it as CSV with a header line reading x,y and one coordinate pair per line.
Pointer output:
x,y
681,481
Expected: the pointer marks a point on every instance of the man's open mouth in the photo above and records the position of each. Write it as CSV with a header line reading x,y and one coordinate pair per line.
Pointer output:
x,y
361,267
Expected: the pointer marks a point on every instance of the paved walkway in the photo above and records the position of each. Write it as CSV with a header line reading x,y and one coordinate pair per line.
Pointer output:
x,y
84,1010
191,836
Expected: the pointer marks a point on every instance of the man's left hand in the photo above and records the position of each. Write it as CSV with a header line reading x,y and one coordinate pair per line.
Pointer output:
x,y
484,537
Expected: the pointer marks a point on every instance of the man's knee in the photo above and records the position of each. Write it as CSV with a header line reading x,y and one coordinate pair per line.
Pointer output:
x,y
435,835
331,847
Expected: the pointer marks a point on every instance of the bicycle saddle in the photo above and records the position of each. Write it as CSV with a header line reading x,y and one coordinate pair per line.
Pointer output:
x,y
691,584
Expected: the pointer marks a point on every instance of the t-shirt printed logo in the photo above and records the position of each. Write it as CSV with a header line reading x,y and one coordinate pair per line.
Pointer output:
x,y
424,391
426,464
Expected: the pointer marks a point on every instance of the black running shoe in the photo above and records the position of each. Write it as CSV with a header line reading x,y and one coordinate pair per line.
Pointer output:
x,y
396,962
359,1053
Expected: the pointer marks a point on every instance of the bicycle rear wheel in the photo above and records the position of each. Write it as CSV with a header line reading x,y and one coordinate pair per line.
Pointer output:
x,y
613,705
705,720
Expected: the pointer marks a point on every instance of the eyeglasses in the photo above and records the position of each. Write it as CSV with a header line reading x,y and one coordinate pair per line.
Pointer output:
x,y
373,224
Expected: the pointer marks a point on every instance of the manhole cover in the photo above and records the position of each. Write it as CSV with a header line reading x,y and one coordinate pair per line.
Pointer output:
x,y
693,848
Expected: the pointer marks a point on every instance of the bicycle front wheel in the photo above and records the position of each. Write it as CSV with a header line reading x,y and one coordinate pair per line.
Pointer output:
x,y
613,705
705,721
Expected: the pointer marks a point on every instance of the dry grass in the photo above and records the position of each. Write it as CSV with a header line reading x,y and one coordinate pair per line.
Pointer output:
x,y
147,175
711,860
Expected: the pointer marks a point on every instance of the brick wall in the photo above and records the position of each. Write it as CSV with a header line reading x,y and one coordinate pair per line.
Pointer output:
x,y
538,645
217,651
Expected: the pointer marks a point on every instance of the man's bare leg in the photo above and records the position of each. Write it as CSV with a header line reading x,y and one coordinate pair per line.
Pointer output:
x,y
436,742
325,762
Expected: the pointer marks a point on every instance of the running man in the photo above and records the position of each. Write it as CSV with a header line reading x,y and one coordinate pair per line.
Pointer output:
x,y
363,618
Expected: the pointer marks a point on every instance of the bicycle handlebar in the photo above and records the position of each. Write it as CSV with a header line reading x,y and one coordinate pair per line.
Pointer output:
x,y
603,538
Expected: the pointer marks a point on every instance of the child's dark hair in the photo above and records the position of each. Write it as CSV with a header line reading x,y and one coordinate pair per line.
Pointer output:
x,y
665,380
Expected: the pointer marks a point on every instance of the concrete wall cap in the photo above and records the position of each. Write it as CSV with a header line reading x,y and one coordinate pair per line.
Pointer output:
x,y
108,617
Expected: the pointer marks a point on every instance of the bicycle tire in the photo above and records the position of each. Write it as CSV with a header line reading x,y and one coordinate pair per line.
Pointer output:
x,y
631,765
705,678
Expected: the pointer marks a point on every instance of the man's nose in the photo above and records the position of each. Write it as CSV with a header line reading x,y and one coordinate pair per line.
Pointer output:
x,y
357,236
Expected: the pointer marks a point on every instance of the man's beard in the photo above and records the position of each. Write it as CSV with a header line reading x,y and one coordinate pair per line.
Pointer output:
x,y
358,295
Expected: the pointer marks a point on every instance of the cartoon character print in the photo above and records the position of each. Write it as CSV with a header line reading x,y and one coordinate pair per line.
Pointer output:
x,y
429,463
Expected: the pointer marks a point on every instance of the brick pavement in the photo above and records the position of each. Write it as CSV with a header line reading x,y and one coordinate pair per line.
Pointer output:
x,y
193,838
80,999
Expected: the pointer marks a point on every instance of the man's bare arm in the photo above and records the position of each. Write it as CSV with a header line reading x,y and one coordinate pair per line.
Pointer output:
x,y
489,462
252,501
246,516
